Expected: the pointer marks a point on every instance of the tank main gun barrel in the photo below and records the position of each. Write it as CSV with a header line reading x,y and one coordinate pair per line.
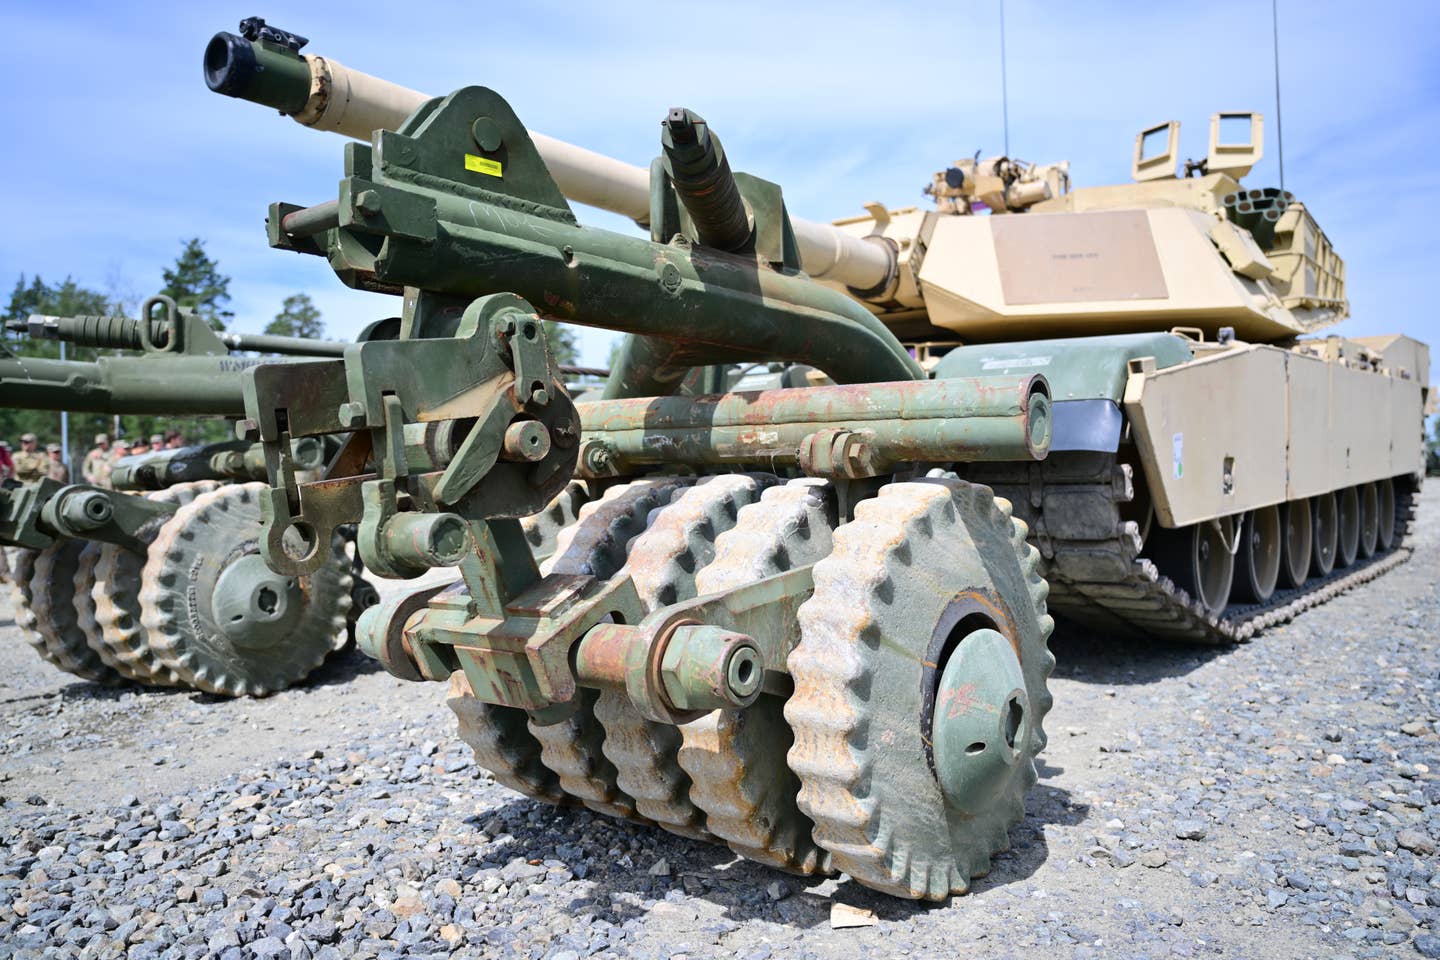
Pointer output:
x,y
265,66
124,333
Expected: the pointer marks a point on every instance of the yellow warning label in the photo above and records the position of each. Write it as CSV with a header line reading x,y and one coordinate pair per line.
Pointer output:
x,y
481,165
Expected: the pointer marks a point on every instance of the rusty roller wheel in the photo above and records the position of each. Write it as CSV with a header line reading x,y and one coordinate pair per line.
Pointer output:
x,y
86,613
920,687
116,596
1348,539
1324,536
662,561
502,743
49,594
1295,548
542,531
736,758
1258,559
1385,534
220,618
596,546
1369,519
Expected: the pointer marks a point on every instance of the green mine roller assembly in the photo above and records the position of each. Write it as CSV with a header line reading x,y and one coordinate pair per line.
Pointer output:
x,y
809,623
157,579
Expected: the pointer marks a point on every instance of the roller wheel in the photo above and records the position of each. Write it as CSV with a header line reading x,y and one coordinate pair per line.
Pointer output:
x,y
736,758
1385,533
1325,527
1197,559
662,562
596,546
920,687
116,596
1369,519
1349,540
51,600
221,619
502,743
543,529
1258,560
1295,550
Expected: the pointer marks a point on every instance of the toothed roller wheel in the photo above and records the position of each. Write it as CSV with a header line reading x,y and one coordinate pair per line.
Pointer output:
x,y
736,758
662,562
220,618
920,687
543,529
52,601
511,745
116,595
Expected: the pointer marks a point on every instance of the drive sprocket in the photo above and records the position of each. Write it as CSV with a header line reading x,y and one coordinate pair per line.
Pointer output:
x,y
920,687
116,595
736,758
220,618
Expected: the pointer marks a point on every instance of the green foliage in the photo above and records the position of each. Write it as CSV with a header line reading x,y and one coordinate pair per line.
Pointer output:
x,y
196,282
68,299
561,338
298,317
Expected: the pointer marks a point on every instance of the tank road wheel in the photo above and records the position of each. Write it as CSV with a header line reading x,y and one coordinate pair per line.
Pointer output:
x,y
1295,550
920,687
736,758
1198,560
1258,559
116,593
662,562
53,603
543,529
1385,513
1325,527
223,620
1349,546
1369,519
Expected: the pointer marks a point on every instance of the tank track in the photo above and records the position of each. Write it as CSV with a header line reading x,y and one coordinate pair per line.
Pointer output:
x,y
1091,554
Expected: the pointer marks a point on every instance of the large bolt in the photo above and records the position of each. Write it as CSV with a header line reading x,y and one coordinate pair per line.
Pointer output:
x,y
351,415
85,510
709,668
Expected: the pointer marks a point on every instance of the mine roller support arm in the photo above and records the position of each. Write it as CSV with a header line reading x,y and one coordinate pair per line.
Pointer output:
x,y
35,515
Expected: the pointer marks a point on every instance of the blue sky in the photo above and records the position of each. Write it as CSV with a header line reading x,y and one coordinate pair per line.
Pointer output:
x,y
115,150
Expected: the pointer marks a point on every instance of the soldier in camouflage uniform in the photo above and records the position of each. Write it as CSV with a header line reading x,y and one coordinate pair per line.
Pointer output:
x,y
30,463
59,470
96,467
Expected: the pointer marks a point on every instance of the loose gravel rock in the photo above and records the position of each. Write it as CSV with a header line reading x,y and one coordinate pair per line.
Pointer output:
x,y
1277,800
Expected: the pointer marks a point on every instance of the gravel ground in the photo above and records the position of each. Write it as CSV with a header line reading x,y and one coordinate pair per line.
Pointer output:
x,y
1276,800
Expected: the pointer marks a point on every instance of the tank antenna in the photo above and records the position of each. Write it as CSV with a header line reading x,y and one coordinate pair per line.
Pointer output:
x,y
1004,92
1279,125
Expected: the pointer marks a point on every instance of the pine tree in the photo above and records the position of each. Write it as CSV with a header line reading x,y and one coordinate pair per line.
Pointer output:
x,y
195,282
298,317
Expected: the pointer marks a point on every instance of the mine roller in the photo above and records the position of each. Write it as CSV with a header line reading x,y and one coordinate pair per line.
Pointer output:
x,y
156,580
791,621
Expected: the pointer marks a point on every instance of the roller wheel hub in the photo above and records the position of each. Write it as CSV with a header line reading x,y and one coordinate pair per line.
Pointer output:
x,y
253,605
980,722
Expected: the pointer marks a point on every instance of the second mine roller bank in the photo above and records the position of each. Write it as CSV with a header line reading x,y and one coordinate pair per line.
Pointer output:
x,y
809,623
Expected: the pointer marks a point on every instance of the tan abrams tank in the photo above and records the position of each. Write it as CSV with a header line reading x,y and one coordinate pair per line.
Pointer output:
x,y
1213,470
